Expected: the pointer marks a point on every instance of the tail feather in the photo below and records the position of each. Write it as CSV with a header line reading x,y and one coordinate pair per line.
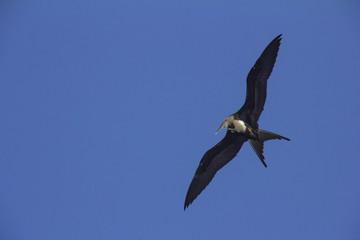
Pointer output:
x,y
265,135
258,145
258,148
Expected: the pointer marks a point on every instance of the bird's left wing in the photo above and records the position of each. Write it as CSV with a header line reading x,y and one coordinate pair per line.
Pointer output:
x,y
257,78
262,70
213,160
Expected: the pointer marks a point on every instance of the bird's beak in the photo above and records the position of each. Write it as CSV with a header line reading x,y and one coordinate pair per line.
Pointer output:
x,y
221,127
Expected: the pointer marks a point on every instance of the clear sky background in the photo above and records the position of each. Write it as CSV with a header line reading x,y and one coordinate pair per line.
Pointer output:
x,y
108,106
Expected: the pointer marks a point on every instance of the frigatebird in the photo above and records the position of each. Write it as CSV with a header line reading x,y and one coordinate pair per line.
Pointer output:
x,y
241,126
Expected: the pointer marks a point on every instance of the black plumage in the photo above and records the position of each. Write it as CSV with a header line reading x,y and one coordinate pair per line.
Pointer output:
x,y
246,121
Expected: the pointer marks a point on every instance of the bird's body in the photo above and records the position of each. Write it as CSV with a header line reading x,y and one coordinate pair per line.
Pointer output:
x,y
241,126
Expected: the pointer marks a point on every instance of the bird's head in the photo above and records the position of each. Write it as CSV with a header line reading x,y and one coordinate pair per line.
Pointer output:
x,y
226,123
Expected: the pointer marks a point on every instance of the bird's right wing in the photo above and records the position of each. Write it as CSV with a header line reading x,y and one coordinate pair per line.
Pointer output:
x,y
212,161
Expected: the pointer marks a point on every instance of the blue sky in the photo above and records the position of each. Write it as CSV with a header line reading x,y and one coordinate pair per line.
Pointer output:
x,y
108,106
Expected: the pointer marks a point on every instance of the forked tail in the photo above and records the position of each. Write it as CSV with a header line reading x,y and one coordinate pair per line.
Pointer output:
x,y
258,145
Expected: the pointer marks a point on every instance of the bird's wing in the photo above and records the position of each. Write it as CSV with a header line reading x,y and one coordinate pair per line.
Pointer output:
x,y
213,160
257,78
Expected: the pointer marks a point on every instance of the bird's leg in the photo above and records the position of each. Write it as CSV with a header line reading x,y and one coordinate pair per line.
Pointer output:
x,y
231,127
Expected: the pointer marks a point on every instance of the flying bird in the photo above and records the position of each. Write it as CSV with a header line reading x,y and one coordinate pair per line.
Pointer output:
x,y
241,126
